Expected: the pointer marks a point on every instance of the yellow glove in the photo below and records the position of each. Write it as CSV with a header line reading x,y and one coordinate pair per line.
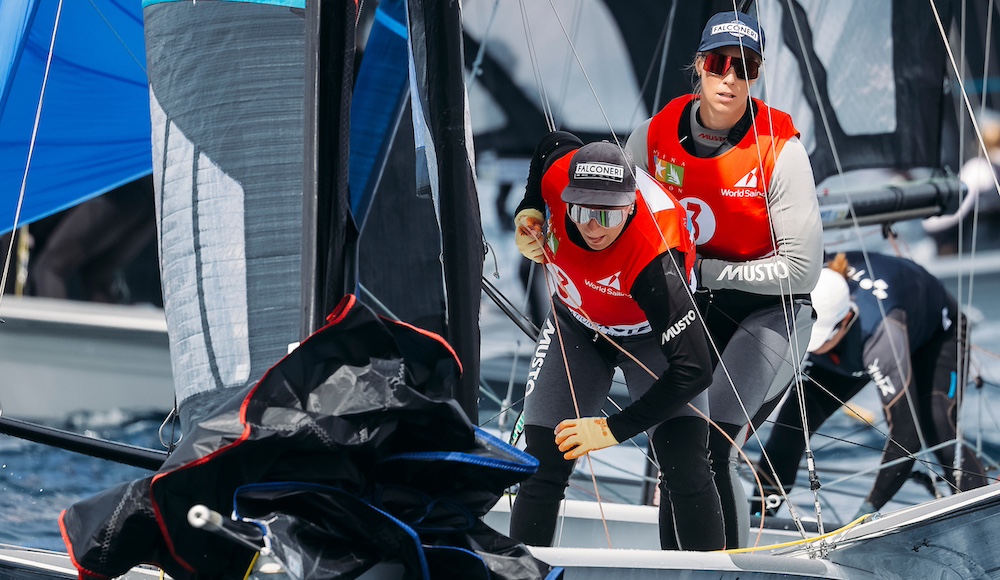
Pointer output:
x,y
528,234
578,437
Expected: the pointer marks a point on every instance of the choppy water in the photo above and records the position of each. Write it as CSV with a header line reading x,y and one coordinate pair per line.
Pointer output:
x,y
37,482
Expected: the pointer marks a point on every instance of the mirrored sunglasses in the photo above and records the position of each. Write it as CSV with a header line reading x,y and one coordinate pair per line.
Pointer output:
x,y
606,218
718,64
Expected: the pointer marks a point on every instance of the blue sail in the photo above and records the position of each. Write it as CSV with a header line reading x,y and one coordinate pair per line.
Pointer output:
x,y
94,133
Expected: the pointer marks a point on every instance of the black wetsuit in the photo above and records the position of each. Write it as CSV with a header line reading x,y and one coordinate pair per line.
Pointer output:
x,y
910,353
681,365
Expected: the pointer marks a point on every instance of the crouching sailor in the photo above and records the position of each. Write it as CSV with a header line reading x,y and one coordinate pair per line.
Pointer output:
x,y
619,258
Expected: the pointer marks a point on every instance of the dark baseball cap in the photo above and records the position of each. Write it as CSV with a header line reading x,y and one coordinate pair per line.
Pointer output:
x,y
600,174
732,29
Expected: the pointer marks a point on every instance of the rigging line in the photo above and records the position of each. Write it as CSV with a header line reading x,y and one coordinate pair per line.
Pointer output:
x,y
790,331
790,319
964,354
833,148
583,70
898,460
31,144
517,317
961,226
476,69
661,48
840,170
536,69
905,391
141,63
668,33
549,257
965,94
965,97
577,19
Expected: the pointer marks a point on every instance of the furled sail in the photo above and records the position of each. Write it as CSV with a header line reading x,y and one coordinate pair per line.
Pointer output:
x,y
421,222
349,452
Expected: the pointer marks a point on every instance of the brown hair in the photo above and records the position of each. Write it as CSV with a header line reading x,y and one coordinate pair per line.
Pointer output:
x,y
839,264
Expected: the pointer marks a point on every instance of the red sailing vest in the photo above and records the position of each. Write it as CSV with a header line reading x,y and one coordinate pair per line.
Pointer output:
x,y
595,284
725,196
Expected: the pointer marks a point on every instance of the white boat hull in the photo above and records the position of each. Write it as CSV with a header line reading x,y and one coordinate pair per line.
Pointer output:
x,y
60,357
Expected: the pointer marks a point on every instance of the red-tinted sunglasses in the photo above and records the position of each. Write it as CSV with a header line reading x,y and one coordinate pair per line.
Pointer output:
x,y
718,64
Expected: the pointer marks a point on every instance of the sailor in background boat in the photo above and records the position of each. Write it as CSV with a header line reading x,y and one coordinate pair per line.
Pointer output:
x,y
910,352
619,257
739,168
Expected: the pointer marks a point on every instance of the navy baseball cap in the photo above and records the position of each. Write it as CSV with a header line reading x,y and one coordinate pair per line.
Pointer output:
x,y
732,29
600,174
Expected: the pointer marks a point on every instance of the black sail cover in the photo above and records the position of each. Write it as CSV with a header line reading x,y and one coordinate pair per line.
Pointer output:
x,y
352,450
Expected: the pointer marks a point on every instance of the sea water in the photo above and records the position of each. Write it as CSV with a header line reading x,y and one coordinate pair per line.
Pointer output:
x,y
37,482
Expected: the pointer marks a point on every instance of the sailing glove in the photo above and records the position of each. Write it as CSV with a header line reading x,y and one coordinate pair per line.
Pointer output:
x,y
578,437
528,234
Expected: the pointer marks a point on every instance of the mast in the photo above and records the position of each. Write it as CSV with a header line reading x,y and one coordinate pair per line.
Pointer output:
x,y
329,234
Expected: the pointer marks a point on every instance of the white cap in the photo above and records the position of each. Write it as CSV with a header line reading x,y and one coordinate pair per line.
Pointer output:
x,y
832,301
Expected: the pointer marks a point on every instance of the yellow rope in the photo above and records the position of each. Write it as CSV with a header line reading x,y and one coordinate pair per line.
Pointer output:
x,y
250,567
798,542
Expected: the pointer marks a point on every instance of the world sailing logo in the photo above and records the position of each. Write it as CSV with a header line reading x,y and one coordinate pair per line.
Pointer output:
x,y
745,187
612,285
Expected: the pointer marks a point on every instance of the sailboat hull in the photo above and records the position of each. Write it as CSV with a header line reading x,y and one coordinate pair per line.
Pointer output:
x,y
60,357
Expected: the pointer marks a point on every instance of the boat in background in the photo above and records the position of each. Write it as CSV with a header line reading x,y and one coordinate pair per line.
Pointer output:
x,y
61,357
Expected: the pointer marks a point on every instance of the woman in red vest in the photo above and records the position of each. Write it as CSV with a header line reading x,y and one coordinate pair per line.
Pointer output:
x,y
619,258
739,169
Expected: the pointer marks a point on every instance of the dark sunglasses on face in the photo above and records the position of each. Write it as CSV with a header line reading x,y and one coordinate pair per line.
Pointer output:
x,y
718,64
606,218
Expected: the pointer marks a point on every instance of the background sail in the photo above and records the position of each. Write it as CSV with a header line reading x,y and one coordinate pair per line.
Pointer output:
x,y
880,70
620,45
876,72
94,130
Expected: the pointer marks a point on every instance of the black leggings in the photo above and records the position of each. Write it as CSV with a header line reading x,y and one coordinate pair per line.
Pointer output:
x,y
690,511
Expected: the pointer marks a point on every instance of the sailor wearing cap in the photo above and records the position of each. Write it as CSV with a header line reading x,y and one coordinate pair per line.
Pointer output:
x,y
738,167
619,258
